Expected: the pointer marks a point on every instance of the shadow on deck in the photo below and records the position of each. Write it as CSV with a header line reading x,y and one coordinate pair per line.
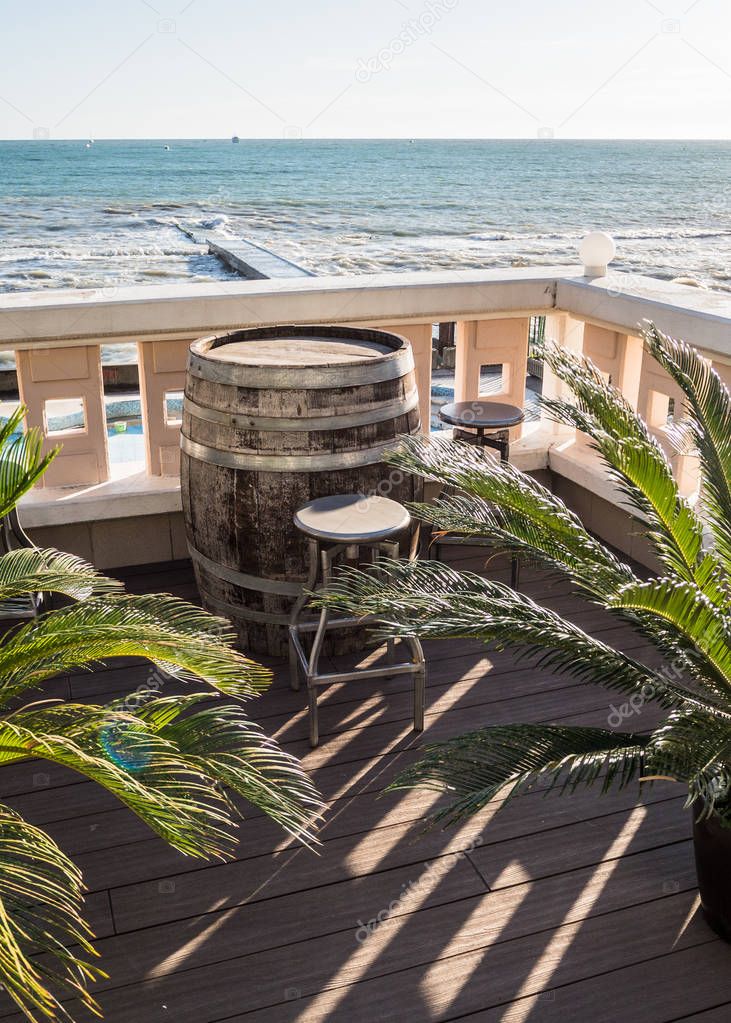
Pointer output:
x,y
571,908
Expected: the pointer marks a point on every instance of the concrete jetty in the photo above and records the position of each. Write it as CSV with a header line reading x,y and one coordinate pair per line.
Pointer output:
x,y
251,261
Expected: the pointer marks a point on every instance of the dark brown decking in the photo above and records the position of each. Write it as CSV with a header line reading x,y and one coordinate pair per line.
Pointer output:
x,y
569,909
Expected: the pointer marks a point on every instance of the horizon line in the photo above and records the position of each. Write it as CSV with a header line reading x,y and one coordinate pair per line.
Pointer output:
x,y
370,138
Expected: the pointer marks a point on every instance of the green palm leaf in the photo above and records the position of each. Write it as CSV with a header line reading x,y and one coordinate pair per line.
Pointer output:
x,y
222,744
633,456
695,747
709,406
475,768
31,570
499,501
694,619
429,600
515,511
22,461
41,893
184,641
141,768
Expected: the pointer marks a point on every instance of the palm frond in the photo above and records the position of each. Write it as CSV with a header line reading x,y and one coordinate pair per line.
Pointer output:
x,y
505,759
633,456
708,406
22,461
598,403
431,601
223,744
181,639
139,767
41,893
511,507
695,747
32,570
703,632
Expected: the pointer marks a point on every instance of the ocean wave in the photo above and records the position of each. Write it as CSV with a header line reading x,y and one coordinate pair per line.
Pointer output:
x,y
146,251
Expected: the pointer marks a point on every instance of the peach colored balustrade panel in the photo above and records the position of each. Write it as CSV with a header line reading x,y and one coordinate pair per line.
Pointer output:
x,y
419,334
65,376
724,371
492,342
617,356
162,370
568,333
656,390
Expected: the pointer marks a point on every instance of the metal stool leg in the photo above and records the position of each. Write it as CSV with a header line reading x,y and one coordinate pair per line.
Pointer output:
x,y
514,562
300,604
314,661
419,700
313,717
294,673
417,656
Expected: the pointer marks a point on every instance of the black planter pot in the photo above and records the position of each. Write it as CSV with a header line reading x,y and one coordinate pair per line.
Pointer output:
x,y
713,865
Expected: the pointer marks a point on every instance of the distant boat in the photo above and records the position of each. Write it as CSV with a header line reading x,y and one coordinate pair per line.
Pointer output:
x,y
91,142
236,139
167,147
88,145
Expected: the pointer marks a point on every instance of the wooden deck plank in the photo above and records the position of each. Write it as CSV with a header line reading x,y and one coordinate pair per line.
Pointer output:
x,y
447,988
719,1014
651,991
383,975
355,825
268,925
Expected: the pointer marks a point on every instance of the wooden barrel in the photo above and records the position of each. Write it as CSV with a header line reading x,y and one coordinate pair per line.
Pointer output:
x,y
273,418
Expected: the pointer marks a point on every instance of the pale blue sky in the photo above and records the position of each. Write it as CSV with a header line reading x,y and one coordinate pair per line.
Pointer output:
x,y
382,68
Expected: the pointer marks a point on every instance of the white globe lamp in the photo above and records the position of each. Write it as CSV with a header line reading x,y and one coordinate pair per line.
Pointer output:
x,y
597,250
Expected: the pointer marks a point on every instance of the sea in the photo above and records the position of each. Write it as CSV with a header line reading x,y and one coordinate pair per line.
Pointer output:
x,y
95,214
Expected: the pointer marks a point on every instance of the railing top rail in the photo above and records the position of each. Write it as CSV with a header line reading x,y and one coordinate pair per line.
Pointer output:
x,y
191,309
64,318
622,301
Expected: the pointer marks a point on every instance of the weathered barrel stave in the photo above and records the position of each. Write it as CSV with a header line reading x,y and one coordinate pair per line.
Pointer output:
x,y
238,422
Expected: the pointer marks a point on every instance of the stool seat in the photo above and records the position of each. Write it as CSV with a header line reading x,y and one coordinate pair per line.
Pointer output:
x,y
482,415
352,518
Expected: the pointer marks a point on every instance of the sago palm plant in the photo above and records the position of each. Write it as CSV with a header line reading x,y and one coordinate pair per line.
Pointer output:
x,y
685,611
178,762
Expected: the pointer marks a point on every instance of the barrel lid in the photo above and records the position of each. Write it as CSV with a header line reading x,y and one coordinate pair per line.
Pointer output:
x,y
298,351
301,356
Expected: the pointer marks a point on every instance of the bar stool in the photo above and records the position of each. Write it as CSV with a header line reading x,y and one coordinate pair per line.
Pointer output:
x,y
491,422
345,524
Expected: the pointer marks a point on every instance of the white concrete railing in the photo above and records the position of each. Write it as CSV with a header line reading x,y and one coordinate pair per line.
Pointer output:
x,y
57,336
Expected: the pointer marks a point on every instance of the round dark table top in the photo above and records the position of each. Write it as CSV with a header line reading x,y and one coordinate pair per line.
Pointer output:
x,y
482,415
